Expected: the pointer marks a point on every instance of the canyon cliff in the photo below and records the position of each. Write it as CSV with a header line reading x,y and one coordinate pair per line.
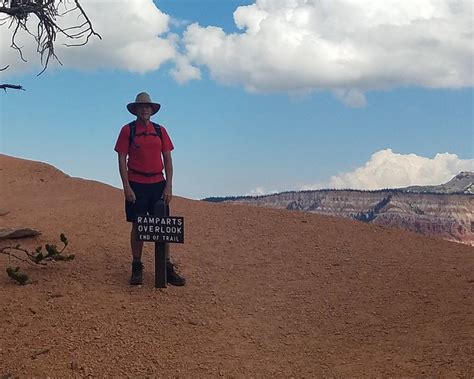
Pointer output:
x,y
445,211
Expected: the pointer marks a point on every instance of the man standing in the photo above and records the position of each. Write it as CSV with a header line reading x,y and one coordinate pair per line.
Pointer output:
x,y
148,148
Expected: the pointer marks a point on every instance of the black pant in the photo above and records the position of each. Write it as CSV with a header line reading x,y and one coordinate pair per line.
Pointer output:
x,y
146,194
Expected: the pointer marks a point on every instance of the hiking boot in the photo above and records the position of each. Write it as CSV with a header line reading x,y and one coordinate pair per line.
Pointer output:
x,y
172,277
137,273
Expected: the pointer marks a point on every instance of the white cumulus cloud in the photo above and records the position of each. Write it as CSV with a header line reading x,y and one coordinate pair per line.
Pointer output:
x,y
183,71
348,46
386,169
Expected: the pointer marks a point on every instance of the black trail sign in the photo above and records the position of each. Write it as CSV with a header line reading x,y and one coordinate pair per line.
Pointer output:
x,y
161,229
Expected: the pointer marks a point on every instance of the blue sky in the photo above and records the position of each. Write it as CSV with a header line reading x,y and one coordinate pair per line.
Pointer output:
x,y
254,115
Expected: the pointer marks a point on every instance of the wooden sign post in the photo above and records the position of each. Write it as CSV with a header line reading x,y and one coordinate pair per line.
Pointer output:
x,y
161,229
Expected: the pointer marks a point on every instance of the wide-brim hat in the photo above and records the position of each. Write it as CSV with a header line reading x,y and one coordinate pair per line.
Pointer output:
x,y
143,98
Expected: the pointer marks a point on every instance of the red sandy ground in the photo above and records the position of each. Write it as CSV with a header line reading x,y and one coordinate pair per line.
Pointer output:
x,y
270,293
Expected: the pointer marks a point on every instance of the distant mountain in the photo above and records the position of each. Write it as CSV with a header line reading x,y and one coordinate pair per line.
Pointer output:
x,y
445,211
461,183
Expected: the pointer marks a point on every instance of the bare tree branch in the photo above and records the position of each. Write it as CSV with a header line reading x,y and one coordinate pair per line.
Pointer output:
x,y
47,12
12,86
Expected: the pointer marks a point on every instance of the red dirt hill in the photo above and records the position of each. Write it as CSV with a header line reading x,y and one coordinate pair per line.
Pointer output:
x,y
270,292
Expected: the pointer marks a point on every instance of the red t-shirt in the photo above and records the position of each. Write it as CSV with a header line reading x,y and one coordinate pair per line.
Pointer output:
x,y
145,152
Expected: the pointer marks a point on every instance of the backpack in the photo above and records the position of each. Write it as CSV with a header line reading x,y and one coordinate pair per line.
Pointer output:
x,y
133,131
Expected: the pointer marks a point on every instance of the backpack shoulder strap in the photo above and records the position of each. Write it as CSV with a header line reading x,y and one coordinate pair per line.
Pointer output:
x,y
133,129
157,129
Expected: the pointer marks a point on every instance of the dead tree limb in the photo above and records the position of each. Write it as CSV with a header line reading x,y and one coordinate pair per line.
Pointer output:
x,y
11,86
47,12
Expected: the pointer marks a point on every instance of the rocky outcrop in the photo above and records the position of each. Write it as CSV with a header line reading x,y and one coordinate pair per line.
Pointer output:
x,y
449,217
20,232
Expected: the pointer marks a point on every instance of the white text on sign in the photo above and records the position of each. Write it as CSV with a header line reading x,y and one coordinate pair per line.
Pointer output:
x,y
160,229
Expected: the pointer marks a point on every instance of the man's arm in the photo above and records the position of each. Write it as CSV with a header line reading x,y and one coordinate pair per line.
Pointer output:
x,y
128,192
168,191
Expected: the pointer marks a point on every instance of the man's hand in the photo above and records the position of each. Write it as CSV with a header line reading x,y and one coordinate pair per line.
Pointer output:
x,y
129,194
167,194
